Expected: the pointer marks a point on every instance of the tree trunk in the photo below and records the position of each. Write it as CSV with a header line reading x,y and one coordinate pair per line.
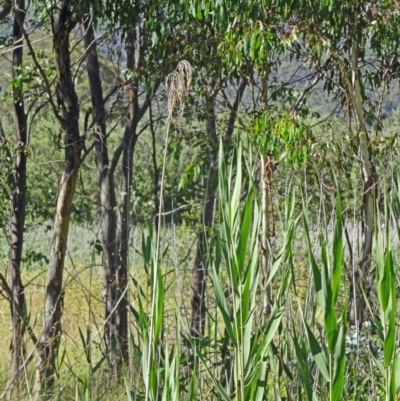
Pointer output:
x,y
67,100
120,342
18,202
370,190
199,275
364,282
369,177
129,142
136,113
115,335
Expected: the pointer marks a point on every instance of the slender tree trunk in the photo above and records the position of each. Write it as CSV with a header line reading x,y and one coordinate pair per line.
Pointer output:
x,y
115,334
199,275
364,283
369,178
134,50
123,224
18,202
67,100
123,220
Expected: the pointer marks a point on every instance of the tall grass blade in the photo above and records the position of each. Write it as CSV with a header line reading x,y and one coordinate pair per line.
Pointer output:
x,y
235,198
192,385
222,305
159,309
329,312
261,382
318,354
301,355
383,277
337,250
272,326
390,337
315,270
395,384
339,360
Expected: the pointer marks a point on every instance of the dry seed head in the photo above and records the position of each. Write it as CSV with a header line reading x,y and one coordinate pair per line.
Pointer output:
x,y
177,83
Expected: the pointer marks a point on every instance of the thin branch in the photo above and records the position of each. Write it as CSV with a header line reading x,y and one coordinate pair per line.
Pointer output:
x,y
300,100
327,117
234,108
95,42
36,112
39,67
11,48
4,285
149,98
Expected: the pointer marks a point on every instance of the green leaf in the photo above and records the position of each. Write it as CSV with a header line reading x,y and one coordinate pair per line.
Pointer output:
x,y
301,356
272,326
316,273
159,305
127,389
319,356
245,228
98,364
199,13
329,313
222,305
384,277
192,386
261,381
337,251
339,360
390,338
235,199
396,374
393,379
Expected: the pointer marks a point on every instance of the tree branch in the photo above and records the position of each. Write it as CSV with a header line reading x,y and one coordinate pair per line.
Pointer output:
x,y
294,109
234,108
9,297
39,67
146,103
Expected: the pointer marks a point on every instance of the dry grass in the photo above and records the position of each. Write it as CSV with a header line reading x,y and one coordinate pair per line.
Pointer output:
x,y
83,307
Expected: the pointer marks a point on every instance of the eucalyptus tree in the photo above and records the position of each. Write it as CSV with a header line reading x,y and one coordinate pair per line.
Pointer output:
x,y
62,18
17,183
144,34
105,175
353,45
18,201
252,41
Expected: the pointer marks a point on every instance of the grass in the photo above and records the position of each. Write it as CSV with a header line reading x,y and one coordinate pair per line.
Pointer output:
x,y
83,308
